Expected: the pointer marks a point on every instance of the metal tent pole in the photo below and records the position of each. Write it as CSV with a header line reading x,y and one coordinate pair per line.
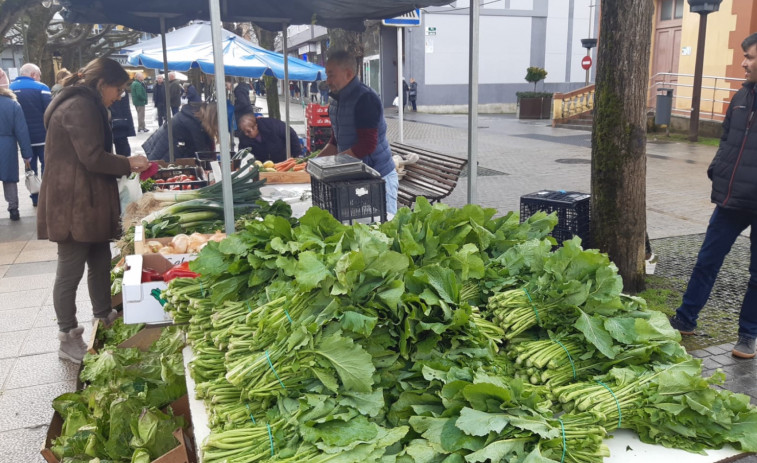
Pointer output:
x,y
166,90
400,92
223,120
286,89
475,8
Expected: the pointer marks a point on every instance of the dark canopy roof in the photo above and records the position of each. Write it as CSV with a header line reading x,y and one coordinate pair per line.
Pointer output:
x,y
144,14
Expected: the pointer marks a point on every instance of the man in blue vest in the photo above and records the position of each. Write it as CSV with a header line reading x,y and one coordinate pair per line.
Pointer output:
x,y
33,96
357,121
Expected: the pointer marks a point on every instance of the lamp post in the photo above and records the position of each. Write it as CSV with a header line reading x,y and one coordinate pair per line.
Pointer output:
x,y
703,8
588,44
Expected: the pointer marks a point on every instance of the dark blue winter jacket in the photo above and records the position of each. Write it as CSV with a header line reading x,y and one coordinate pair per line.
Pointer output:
x,y
13,133
33,97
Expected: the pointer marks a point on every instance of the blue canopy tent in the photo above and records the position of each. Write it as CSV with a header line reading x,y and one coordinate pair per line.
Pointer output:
x,y
194,33
240,58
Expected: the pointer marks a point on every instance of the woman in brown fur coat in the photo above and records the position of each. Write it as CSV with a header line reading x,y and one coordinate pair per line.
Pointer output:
x,y
78,203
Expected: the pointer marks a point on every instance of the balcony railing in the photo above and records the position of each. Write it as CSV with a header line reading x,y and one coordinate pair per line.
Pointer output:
x,y
715,96
571,104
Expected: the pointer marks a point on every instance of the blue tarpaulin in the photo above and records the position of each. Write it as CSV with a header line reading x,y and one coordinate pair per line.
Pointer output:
x,y
240,58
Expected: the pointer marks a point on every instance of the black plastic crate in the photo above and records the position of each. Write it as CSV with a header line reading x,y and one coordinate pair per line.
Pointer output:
x,y
573,212
164,174
351,199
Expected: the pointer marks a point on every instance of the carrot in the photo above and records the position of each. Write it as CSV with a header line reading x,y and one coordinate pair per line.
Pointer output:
x,y
299,167
284,165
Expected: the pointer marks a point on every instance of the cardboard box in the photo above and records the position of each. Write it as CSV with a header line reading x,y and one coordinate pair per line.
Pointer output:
x,y
285,177
183,453
141,300
140,246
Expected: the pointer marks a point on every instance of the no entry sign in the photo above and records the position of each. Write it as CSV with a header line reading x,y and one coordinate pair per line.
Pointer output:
x,y
586,62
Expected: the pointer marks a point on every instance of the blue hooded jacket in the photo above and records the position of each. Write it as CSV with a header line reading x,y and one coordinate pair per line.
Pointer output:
x,y
34,97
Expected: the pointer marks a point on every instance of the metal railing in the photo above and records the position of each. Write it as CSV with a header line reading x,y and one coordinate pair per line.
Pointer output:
x,y
715,95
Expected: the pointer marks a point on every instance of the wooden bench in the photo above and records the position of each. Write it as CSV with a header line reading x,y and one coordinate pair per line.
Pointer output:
x,y
433,176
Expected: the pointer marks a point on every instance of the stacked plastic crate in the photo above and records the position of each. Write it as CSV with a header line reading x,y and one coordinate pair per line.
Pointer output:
x,y
318,126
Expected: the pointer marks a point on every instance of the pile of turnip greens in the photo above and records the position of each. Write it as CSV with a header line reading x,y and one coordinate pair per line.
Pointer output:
x,y
444,335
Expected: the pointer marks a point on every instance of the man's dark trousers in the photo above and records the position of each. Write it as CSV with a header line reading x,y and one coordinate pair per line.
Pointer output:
x,y
725,226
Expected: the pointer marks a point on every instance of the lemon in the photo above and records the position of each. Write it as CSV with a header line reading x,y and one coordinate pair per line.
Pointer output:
x,y
258,163
268,164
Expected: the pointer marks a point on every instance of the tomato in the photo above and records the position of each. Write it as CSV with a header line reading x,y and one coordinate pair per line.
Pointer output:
x,y
192,178
160,180
187,187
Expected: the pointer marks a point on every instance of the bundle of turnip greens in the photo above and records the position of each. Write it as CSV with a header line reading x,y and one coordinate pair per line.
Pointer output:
x,y
443,335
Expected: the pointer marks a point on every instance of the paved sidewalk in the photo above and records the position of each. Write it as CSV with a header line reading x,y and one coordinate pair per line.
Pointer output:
x,y
515,158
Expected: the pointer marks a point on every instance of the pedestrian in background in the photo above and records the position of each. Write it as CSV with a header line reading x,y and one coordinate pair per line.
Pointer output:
x,y
733,172
175,92
34,97
60,76
193,96
122,124
79,209
139,98
324,88
195,128
13,134
412,93
314,92
159,99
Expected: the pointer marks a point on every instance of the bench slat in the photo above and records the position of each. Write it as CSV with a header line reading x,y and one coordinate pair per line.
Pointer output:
x,y
433,176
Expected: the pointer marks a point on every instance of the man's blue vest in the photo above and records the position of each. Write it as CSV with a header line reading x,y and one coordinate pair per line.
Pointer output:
x,y
342,115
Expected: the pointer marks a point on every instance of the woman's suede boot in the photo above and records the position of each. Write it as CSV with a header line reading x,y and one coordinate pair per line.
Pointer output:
x,y
72,345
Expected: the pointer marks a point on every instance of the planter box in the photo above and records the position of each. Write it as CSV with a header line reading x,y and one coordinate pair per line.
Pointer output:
x,y
535,108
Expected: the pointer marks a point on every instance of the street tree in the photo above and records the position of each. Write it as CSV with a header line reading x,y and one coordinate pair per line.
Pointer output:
x,y
267,40
352,42
618,166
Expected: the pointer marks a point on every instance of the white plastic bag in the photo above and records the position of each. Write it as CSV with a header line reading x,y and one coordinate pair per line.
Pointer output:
x,y
129,190
33,183
396,101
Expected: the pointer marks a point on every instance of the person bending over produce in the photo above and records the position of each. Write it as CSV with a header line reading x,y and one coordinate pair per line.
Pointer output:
x,y
195,128
266,138
78,204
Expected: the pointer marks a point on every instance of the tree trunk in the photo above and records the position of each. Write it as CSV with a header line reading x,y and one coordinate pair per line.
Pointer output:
x,y
352,42
618,167
266,40
36,42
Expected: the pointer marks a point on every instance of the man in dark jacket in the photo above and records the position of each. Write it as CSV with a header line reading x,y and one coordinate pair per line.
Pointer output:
x,y
266,138
175,90
188,137
159,99
34,97
122,124
733,172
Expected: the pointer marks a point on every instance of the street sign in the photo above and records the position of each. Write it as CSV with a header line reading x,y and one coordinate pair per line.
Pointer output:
x,y
410,19
586,62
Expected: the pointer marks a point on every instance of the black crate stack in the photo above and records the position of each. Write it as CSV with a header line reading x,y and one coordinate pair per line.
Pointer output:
x,y
573,212
318,126
350,200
